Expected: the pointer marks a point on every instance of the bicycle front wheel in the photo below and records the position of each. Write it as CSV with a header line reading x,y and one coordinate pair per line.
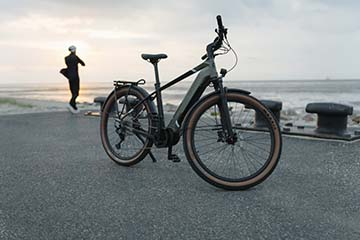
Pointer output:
x,y
232,165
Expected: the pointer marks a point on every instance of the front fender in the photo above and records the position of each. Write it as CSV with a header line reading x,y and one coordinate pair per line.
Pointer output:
x,y
234,90
241,91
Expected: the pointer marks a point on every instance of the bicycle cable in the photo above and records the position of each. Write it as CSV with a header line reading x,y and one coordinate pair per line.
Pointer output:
x,y
227,43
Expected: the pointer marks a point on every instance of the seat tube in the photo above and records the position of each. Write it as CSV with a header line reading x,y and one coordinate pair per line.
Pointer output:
x,y
159,97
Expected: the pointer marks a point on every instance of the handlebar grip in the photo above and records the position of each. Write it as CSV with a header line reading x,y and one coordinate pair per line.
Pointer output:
x,y
204,57
219,21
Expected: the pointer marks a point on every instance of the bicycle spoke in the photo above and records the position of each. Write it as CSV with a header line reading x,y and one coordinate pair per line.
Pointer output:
x,y
240,160
125,123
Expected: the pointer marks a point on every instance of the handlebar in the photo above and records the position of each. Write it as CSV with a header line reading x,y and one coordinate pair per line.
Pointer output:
x,y
220,24
216,44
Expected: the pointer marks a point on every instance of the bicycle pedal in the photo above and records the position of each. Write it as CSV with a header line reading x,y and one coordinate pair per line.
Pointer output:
x,y
174,158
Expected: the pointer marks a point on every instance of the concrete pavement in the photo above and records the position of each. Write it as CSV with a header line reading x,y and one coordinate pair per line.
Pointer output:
x,y
56,182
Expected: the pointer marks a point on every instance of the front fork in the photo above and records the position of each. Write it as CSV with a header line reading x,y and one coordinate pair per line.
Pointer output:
x,y
230,136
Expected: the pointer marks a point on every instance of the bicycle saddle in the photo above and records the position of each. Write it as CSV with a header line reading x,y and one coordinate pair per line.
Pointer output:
x,y
153,57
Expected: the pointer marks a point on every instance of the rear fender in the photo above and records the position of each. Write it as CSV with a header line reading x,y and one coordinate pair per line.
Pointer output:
x,y
141,90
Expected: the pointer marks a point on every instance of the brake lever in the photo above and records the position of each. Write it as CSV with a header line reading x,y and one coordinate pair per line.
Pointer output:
x,y
217,32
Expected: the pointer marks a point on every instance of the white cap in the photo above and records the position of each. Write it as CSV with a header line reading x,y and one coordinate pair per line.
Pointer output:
x,y
72,48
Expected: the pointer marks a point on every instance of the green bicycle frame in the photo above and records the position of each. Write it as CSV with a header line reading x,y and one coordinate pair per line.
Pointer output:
x,y
207,73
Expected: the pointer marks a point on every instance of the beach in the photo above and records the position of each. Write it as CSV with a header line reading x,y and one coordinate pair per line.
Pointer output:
x,y
294,95
9,106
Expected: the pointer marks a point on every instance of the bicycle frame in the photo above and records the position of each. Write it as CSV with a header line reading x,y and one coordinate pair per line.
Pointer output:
x,y
207,73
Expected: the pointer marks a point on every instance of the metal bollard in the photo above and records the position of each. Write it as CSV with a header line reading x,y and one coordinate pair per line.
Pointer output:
x,y
274,106
100,100
332,117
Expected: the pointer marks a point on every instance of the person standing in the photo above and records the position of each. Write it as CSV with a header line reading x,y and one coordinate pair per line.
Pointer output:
x,y
72,74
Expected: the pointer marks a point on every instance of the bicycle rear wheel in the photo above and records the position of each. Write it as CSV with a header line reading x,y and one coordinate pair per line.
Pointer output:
x,y
126,126
236,165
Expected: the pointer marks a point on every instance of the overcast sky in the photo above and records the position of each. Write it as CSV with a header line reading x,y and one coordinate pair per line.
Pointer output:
x,y
275,39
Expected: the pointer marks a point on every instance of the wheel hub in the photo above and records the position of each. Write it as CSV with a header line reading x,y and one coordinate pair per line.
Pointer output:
x,y
232,139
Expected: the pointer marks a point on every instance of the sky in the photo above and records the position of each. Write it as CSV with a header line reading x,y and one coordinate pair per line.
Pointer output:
x,y
274,39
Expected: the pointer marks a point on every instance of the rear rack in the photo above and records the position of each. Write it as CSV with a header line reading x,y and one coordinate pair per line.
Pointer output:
x,y
122,82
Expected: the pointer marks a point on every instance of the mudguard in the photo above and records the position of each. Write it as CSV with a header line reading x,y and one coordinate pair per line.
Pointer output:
x,y
142,91
235,90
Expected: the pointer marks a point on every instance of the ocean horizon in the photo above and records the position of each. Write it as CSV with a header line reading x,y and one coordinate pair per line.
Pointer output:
x,y
294,94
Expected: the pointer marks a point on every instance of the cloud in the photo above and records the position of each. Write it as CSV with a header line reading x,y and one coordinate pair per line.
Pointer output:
x,y
274,38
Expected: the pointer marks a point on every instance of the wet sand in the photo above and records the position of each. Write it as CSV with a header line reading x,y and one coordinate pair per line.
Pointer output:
x,y
9,106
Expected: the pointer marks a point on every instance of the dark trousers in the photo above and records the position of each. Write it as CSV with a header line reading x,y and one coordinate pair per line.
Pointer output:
x,y
74,88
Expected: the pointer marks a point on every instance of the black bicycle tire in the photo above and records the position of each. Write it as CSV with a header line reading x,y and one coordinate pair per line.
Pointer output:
x,y
103,126
221,183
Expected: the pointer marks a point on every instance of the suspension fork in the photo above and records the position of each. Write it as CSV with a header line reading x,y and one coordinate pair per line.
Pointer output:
x,y
224,112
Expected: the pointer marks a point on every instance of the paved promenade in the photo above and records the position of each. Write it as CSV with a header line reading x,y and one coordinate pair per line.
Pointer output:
x,y
56,182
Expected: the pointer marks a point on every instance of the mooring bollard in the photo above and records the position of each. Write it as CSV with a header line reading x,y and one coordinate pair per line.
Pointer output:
x,y
100,100
332,117
274,106
132,102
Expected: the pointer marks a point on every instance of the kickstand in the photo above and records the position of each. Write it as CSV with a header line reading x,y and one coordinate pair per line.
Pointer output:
x,y
171,156
152,156
150,153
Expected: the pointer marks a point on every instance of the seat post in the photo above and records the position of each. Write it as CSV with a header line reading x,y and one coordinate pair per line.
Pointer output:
x,y
157,78
158,94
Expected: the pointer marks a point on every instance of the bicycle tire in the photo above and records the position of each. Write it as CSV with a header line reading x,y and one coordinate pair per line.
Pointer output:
x,y
129,127
212,137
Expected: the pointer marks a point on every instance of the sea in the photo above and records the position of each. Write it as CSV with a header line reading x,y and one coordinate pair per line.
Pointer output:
x,y
294,94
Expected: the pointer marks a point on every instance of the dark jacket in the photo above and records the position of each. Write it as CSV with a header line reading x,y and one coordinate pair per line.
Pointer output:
x,y
72,62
